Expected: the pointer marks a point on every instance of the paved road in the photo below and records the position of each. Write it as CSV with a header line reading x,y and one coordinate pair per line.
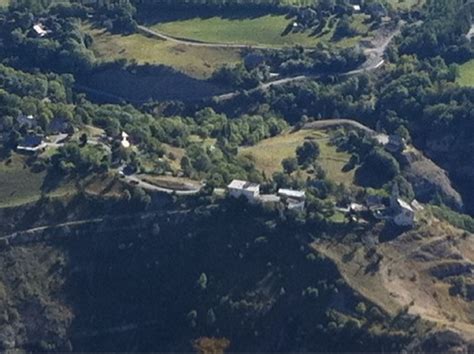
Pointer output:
x,y
383,139
50,227
374,61
59,142
26,234
197,43
328,123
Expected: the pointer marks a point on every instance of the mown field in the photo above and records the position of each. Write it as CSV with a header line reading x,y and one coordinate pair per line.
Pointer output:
x,y
197,62
269,154
466,74
264,30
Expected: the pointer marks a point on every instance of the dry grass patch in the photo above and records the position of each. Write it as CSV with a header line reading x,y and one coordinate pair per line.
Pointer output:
x,y
412,271
197,62
269,153
175,183
106,185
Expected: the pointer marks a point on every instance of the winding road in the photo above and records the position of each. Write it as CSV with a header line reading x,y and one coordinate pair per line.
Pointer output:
x,y
196,43
374,61
137,181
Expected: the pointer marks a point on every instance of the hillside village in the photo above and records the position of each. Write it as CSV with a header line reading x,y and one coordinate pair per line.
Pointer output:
x,y
393,209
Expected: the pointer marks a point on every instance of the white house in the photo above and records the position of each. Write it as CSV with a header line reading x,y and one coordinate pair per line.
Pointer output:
x,y
292,194
405,215
40,30
295,200
238,188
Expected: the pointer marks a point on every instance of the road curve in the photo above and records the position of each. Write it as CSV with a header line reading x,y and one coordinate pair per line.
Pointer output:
x,y
381,138
137,181
328,123
197,43
268,85
374,61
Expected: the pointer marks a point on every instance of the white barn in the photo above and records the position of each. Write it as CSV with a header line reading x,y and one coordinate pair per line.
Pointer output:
x,y
238,188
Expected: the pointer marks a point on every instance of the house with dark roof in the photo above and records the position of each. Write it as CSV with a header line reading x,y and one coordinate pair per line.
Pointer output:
x,y
28,121
395,143
31,144
59,126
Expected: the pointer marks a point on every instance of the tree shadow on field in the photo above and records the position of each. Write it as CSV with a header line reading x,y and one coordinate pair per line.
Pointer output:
x,y
143,83
150,15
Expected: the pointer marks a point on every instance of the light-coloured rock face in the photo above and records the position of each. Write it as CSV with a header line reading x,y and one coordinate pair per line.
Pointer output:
x,y
418,271
428,179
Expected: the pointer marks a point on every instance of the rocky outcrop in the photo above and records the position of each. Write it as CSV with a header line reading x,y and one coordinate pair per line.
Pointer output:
x,y
429,180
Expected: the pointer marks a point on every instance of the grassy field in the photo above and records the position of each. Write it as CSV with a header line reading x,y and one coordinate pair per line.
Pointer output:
x,y
261,30
466,74
405,4
19,185
197,62
269,30
269,153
